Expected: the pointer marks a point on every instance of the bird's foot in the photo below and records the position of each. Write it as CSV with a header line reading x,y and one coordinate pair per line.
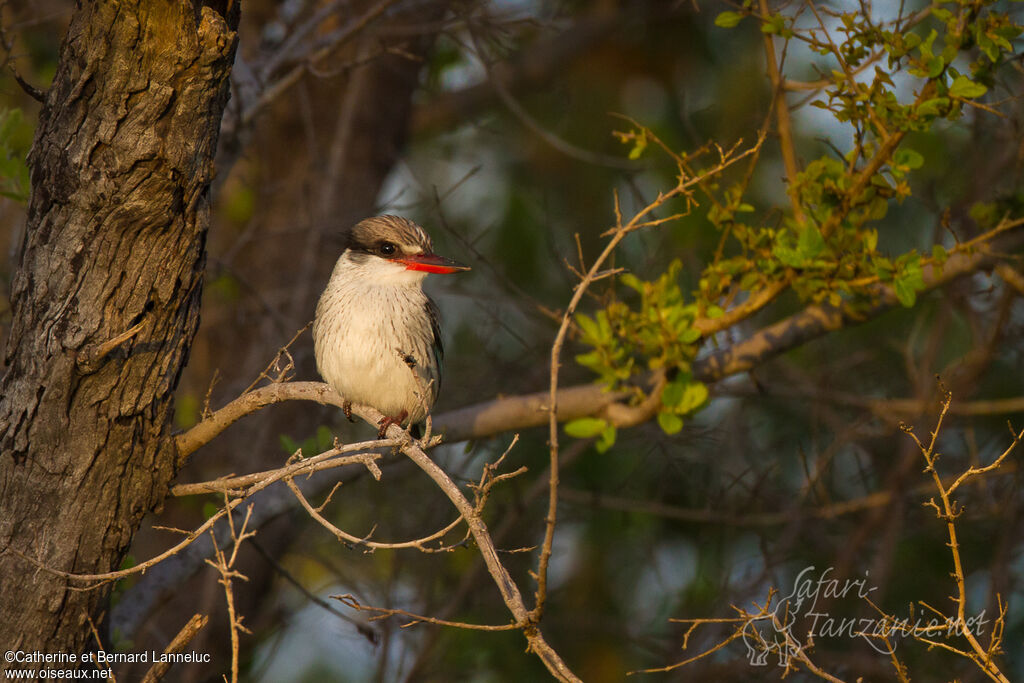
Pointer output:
x,y
387,421
347,409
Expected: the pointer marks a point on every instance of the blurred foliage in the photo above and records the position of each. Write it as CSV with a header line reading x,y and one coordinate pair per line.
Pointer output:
x,y
826,247
318,443
15,140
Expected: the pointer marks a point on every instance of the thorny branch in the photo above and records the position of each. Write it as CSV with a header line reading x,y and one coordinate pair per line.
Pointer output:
x,y
948,510
383,612
225,567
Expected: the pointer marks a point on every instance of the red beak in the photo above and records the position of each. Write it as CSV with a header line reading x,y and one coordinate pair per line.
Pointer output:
x,y
431,263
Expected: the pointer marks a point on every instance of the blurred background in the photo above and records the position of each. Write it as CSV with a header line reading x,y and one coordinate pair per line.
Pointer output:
x,y
491,124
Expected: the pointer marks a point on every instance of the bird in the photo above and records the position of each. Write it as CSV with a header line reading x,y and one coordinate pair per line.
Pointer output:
x,y
376,334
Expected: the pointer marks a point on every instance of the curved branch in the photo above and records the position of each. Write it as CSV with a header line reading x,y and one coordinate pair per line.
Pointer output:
x,y
209,427
418,544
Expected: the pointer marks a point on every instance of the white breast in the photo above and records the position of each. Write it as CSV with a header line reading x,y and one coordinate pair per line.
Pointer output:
x,y
370,322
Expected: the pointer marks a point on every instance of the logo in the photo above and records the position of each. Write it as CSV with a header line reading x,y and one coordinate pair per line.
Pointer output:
x,y
802,616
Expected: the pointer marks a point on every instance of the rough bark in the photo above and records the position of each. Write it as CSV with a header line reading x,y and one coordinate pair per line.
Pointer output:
x,y
358,127
115,243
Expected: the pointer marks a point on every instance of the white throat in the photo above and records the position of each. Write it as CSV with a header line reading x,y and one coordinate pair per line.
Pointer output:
x,y
374,272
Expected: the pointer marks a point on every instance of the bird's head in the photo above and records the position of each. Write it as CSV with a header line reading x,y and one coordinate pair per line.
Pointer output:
x,y
394,250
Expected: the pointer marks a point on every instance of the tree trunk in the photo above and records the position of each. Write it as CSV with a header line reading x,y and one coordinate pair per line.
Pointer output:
x,y
117,223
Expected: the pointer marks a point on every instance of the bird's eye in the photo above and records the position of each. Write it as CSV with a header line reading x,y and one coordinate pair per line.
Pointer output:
x,y
387,248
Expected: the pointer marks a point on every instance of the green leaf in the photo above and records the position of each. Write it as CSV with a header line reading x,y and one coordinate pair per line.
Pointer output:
x,y
871,240
933,107
694,396
632,281
935,65
672,394
690,336
670,423
728,19
591,331
788,257
288,444
905,293
324,438
926,46
909,158
775,24
639,146
939,254
585,427
607,439
749,281
604,326
591,360
811,242
965,88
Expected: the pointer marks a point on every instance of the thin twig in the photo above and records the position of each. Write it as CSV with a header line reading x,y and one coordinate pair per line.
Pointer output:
x,y
383,612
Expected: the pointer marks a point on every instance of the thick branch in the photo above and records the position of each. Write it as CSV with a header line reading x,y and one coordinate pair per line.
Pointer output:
x,y
105,300
818,319
514,413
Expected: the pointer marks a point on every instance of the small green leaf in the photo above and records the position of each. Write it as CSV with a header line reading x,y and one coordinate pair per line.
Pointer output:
x,y
728,19
965,88
811,242
585,427
926,46
694,396
690,336
639,146
670,423
749,281
632,281
607,439
672,394
905,293
324,438
909,158
591,332
788,257
590,360
939,254
288,444
871,240
933,107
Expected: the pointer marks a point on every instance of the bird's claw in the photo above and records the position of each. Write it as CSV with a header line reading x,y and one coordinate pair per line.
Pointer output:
x,y
387,421
347,409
